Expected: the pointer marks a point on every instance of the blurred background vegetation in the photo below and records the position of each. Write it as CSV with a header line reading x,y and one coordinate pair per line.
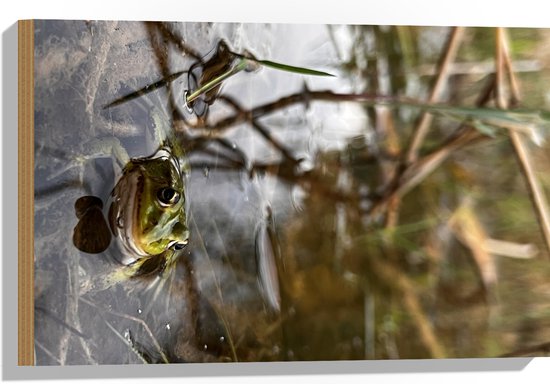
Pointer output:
x,y
459,265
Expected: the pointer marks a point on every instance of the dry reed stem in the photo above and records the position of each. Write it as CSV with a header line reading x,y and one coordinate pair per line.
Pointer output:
x,y
443,72
499,70
469,230
526,163
392,147
510,249
417,172
537,192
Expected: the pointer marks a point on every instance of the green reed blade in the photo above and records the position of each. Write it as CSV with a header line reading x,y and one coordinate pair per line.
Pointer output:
x,y
291,68
284,67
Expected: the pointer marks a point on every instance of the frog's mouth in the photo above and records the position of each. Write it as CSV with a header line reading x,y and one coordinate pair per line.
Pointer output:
x,y
123,212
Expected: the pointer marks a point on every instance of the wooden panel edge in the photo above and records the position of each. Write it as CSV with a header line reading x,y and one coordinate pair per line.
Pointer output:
x,y
25,276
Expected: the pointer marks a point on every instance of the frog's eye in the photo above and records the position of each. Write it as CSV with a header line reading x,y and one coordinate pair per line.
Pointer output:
x,y
178,245
168,196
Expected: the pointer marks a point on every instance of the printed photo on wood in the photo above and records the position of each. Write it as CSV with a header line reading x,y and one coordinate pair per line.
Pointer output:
x,y
240,192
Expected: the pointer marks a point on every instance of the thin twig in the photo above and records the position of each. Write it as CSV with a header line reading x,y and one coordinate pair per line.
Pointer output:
x,y
163,62
263,131
304,97
177,40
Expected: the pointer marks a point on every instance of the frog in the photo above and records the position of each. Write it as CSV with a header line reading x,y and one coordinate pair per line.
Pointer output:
x,y
147,211
143,222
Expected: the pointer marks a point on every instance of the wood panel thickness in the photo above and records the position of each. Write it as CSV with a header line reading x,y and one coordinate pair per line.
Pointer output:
x,y
25,277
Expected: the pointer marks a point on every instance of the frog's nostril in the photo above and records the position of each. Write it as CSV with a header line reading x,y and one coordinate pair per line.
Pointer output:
x,y
179,245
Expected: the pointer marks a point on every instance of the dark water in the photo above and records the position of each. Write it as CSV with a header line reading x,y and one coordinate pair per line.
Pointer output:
x,y
343,284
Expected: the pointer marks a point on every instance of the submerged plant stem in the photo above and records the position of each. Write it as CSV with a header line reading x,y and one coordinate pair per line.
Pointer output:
x,y
411,301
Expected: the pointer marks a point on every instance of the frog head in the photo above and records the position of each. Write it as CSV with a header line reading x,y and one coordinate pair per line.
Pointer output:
x,y
148,207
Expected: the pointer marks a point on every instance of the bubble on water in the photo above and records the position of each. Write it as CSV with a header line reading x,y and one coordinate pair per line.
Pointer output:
x,y
168,326
139,311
